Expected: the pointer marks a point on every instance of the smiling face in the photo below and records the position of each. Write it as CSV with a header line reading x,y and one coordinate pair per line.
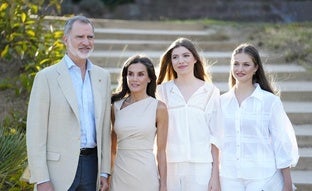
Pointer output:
x,y
137,78
243,68
182,60
79,42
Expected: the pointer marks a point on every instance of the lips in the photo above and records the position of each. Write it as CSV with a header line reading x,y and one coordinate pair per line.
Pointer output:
x,y
182,66
134,85
85,49
240,74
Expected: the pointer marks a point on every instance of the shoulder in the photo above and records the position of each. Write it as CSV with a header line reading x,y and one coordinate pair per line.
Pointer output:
x,y
161,110
50,70
268,96
164,87
161,106
165,84
100,69
227,94
211,87
226,97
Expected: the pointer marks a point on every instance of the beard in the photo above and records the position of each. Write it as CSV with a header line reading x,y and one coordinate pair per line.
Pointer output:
x,y
78,53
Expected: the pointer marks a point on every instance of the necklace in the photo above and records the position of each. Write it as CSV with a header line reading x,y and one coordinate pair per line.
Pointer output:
x,y
129,100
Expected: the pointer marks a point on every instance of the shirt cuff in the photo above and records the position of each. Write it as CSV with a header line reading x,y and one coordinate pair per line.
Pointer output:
x,y
43,181
105,175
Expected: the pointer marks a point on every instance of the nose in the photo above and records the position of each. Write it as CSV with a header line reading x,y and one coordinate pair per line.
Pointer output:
x,y
86,41
239,67
133,77
180,59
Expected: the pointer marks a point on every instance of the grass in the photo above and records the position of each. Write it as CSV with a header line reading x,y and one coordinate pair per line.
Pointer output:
x,y
293,40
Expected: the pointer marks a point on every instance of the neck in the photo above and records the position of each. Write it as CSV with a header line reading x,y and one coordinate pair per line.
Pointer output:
x,y
81,63
244,87
186,80
242,91
136,97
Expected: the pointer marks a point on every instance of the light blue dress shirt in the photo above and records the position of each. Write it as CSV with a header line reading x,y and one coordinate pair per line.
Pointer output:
x,y
84,95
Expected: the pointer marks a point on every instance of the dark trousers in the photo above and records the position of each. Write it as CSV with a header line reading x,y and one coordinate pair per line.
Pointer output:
x,y
86,175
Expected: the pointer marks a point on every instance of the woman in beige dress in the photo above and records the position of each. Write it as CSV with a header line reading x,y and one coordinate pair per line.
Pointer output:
x,y
137,118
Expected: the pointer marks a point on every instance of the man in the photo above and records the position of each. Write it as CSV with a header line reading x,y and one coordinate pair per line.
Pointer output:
x,y
68,122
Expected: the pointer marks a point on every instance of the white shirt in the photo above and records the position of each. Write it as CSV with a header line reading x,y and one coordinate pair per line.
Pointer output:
x,y
258,136
84,95
193,125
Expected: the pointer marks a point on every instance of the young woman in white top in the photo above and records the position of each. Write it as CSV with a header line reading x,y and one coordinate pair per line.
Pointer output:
x,y
193,104
259,144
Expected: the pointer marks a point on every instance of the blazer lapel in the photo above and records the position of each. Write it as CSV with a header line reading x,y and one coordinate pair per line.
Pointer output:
x,y
65,83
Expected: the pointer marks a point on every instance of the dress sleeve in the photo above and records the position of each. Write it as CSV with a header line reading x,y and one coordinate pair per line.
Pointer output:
x,y
215,123
283,137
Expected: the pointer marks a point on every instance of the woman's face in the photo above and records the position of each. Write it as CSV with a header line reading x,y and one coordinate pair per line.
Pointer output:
x,y
243,68
182,60
137,78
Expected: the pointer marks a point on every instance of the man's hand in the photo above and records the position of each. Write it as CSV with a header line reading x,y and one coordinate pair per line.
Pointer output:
x,y
46,186
104,184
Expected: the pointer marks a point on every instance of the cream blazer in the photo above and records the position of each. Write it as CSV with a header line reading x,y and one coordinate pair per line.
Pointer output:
x,y
53,127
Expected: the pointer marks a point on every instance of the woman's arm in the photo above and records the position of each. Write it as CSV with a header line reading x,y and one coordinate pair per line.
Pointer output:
x,y
287,179
162,131
214,183
113,138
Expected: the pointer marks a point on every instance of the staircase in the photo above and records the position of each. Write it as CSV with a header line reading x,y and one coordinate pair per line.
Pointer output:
x,y
116,40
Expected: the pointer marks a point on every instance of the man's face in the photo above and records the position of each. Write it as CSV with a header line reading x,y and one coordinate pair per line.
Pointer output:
x,y
80,41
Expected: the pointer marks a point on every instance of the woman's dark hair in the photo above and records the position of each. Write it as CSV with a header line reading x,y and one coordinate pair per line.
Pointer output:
x,y
167,72
260,76
123,89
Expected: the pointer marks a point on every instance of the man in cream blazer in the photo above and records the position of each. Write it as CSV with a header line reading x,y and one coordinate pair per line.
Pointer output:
x,y
68,121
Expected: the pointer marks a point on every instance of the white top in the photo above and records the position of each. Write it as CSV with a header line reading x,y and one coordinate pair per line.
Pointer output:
x,y
193,125
258,136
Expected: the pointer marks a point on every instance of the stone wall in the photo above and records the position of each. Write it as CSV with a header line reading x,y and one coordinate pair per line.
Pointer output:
x,y
235,10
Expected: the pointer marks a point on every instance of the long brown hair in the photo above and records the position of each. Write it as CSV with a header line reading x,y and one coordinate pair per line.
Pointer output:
x,y
123,88
259,77
167,72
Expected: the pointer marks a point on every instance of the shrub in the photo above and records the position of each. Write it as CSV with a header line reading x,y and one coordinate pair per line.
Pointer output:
x,y
12,159
28,40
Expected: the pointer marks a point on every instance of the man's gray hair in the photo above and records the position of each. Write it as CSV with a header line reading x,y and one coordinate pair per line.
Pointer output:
x,y
69,23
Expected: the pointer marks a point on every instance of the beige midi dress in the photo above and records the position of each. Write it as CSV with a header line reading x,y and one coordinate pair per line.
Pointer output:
x,y
135,166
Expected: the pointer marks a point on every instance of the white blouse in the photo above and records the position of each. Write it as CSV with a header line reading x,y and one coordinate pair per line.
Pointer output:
x,y
258,136
193,125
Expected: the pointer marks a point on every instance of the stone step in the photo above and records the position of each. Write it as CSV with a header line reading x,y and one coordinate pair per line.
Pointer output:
x,y
159,45
148,25
220,73
289,90
305,159
158,34
302,179
280,72
304,136
116,58
299,113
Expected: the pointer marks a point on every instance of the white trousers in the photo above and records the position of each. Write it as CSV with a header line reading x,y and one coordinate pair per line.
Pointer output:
x,y
185,176
274,183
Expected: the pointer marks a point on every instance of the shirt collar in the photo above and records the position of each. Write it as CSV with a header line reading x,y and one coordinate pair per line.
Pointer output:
x,y
257,93
71,64
205,88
